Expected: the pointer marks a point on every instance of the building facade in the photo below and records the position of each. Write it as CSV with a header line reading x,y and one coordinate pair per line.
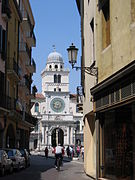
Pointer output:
x,y
87,13
4,18
17,119
55,108
113,94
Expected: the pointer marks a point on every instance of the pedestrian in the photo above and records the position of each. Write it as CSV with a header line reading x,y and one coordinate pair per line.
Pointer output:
x,y
58,153
68,152
71,152
82,151
46,152
78,151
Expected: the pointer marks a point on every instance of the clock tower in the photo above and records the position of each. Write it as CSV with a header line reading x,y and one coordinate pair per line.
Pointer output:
x,y
58,124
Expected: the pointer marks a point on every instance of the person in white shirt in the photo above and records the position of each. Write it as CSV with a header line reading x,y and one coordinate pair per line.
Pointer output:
x,y
58,153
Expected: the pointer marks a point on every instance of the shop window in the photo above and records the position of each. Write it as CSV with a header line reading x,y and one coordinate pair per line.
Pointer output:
x,y
105,24
36,107
118,148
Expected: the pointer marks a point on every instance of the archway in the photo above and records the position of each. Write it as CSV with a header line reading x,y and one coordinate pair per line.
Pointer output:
x,y
57,137
10,137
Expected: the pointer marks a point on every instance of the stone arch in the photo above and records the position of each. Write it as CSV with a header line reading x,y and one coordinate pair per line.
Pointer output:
x,y
64,129
10,136
57,136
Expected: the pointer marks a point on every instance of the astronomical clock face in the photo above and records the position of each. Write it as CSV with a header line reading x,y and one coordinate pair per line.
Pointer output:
x,y
57,105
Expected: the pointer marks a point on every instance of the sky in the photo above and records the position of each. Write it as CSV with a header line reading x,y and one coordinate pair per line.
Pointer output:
x,y
57,22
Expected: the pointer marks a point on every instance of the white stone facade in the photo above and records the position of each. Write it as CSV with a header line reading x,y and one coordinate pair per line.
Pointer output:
x,y
55,108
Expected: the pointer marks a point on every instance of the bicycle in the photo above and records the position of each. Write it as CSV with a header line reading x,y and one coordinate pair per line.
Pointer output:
x,y
58,163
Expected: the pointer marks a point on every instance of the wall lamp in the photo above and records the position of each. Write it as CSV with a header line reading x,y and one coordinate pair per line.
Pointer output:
x,y
72,56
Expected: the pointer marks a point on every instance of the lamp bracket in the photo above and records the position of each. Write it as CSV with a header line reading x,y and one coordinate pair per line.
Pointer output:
x,y
93,71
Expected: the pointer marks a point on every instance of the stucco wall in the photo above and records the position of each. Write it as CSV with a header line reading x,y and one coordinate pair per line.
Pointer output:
x,y
89,82
122,34
90,147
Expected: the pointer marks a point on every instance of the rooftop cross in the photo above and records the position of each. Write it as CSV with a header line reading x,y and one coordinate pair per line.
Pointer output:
x,y
54,48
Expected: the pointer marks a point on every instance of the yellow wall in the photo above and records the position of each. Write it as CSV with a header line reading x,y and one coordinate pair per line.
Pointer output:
x,y
122,34
90,147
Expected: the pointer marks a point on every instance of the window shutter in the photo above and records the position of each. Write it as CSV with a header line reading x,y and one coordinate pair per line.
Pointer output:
x,y
4,44
0,38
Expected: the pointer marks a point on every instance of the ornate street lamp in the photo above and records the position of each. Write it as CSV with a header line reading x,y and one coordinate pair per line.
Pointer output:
x,y
72,56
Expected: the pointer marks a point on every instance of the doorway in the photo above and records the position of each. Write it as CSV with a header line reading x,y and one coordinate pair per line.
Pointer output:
x,y
57,137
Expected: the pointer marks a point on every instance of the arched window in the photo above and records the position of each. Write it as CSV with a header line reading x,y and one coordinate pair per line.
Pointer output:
x,y
59,78
50,67
56,67
55,78
36,107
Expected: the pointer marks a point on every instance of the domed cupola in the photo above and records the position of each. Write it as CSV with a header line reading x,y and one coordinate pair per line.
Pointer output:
x,y
54,57
54,62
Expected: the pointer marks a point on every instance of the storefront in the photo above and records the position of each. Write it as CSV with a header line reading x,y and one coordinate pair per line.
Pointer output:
x,y
114,106
119,143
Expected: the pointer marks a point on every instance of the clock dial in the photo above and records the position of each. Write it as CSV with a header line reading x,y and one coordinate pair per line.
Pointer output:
x,y
57,105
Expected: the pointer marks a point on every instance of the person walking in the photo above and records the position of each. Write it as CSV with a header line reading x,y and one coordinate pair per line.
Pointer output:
x,y
78,151
82,151
68,151
46,152
58,153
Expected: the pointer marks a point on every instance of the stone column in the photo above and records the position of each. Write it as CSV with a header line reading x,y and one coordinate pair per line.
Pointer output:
x,y
43,135
71,137
49,140
65,138
67,135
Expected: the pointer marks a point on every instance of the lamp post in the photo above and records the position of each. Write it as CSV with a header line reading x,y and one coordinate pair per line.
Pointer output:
x,y
72,56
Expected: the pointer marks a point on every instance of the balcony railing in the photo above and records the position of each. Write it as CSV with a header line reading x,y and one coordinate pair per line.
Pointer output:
x,y
31,38
29,118
24,50
12,66
26,20
7,102
31,67
6,12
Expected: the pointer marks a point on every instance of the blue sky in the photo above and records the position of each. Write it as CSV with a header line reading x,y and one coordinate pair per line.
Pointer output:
x,y
57,22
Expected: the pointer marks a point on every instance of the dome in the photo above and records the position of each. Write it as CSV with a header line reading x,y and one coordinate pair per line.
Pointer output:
x,y
54,57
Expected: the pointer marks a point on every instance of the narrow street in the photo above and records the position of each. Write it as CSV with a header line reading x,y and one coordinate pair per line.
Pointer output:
x,y
42,169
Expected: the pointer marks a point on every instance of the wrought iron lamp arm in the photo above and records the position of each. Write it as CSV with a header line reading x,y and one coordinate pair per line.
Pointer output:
x,y
89,70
